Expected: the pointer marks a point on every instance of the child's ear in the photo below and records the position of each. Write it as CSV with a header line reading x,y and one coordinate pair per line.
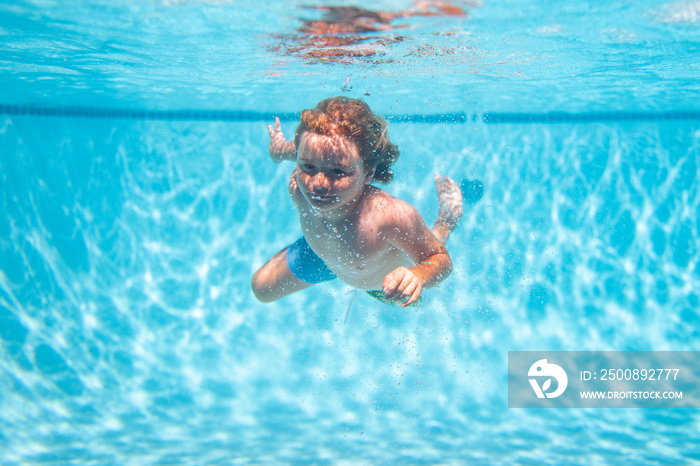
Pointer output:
x,y
369,176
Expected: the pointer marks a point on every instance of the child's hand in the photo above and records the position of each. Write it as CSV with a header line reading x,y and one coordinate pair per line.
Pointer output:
x,y
280,148
293,184
402,284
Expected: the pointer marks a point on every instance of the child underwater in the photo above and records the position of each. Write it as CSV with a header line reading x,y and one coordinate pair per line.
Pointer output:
x,y
353,230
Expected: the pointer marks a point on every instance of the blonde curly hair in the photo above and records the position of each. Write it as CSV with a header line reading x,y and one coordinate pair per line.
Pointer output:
x,y
354,120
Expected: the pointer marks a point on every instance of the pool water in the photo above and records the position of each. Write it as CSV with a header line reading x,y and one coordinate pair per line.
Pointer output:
x,y
128,332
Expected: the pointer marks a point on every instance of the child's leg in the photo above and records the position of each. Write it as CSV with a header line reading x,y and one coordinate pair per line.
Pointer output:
x,y
292,269
450,199
275,280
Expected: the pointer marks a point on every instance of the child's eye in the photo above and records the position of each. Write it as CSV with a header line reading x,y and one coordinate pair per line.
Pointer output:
x,y
307,167
338,172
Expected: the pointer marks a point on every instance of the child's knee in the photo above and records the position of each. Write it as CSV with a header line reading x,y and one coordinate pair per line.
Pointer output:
x,y
260,288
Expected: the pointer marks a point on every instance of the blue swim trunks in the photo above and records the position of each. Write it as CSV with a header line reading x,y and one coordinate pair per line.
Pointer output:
x,y
306,265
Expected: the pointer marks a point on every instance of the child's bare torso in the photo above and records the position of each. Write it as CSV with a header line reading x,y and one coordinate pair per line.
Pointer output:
x,y
355,248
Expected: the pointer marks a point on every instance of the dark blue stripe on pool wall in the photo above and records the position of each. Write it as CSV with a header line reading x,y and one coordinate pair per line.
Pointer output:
x,y
591,117
247,116
434,118
140,114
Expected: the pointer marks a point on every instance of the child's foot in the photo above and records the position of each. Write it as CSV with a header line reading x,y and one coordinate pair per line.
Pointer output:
x,y
450,199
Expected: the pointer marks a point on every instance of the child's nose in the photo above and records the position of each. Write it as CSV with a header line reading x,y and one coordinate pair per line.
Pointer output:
x,y
321,182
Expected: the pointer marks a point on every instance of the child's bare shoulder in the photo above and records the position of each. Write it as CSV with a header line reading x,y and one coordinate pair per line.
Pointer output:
x,y
389,212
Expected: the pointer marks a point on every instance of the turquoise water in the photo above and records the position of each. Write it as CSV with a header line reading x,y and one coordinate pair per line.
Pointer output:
x,y
128,333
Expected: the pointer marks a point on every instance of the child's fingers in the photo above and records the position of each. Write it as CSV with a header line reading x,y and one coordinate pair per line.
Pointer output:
x,y
390,288
402,285
414,297
391,283
399,293
276,129
408,292
406,285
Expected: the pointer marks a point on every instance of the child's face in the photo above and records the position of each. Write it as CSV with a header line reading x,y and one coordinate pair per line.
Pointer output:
x,y
330,171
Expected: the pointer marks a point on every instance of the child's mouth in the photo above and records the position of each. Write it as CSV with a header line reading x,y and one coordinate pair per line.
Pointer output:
x,y
319,197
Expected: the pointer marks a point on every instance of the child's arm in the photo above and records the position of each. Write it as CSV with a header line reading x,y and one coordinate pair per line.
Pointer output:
x,y
406,230
280,148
